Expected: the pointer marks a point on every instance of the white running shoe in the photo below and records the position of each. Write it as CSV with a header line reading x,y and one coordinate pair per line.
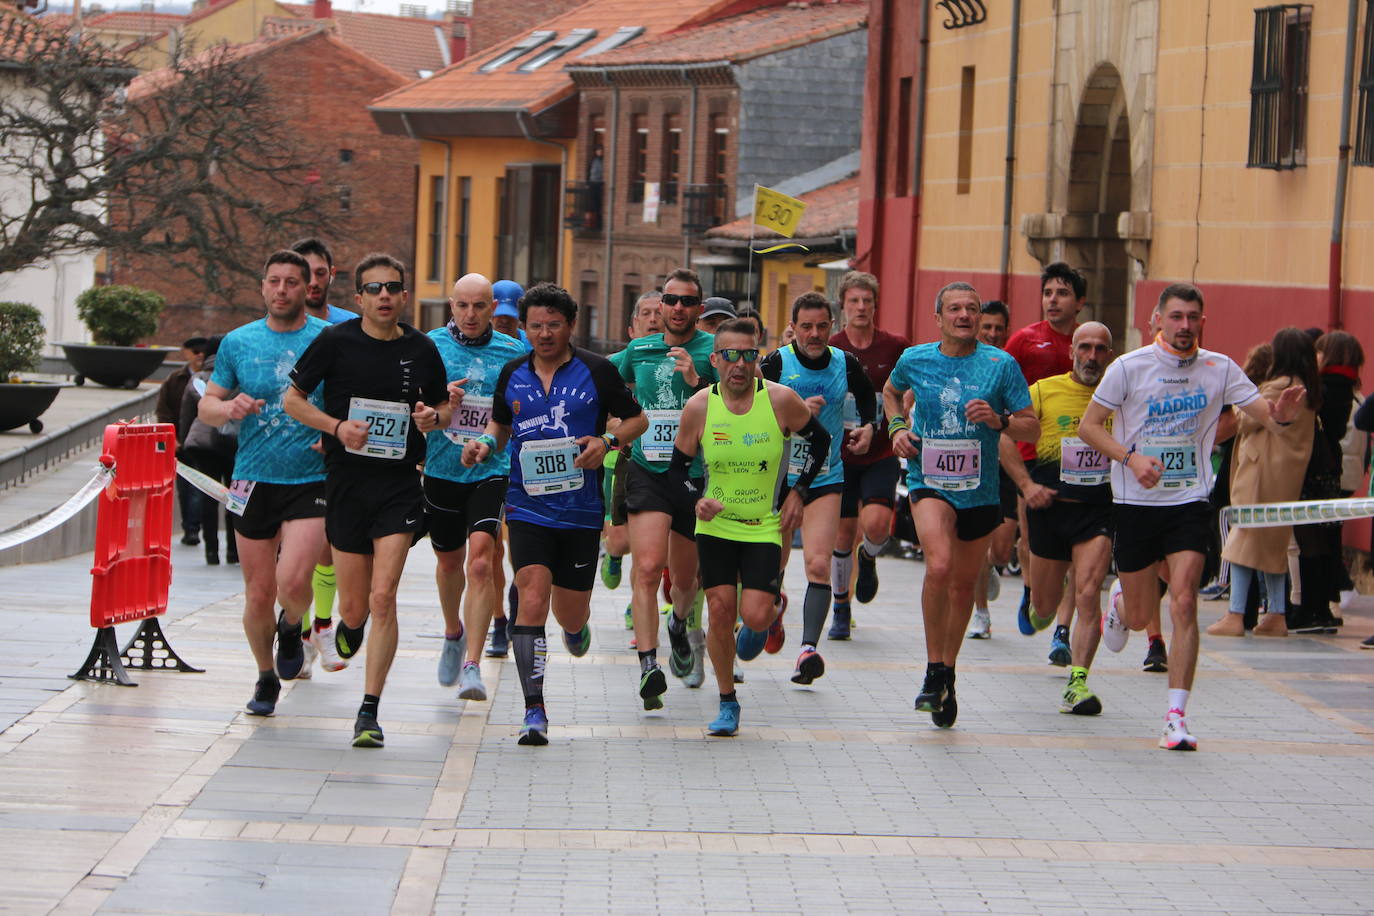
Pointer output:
x,y
323,641
1176,737
994,584
697,676
981,627
1114,629
308,665
470,686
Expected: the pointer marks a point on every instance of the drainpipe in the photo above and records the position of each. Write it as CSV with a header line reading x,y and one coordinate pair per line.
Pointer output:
x,y
691,169
1333,306
608,205
523,118
448,197
918,150
1008,181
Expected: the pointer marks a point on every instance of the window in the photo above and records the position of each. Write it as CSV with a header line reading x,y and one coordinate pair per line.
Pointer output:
x,y
718,165
965,164
345,155
524,45
639,156
557,49
672,158
436,224
1364,129
464,210
614,40
345,197
1278,87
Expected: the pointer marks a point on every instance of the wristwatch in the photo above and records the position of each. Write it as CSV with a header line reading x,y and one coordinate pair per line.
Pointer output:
x,y
612,441
1006,420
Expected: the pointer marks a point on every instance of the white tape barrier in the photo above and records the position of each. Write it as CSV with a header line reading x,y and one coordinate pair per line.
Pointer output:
x,y
1275,515
61,514
204,483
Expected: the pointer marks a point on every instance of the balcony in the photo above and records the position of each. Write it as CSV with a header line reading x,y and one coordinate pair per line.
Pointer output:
x,y
585,200
703,206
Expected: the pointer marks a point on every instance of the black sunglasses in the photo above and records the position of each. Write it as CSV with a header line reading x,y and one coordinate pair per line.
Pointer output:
x,y
391,286
674,299
735,354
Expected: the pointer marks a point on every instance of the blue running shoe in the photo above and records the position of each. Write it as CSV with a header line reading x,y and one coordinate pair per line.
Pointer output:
x,y
726,724
1060,656
290,652
451,658
577,644
265,693
500,639
535,732
749,643
839,622
1023,618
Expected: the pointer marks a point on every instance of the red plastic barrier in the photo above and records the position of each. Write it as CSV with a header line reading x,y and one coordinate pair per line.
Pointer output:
x,y
133,539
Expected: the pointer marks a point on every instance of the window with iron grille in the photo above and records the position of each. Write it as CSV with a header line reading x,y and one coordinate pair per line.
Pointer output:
x,y
1278,87
639,156
1364,130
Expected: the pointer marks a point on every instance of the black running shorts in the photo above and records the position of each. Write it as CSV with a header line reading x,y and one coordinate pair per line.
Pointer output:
x,y
270,504
1055,530
746,563
456,510
647,491
1148,534
969,524
869,484
365,504
569,553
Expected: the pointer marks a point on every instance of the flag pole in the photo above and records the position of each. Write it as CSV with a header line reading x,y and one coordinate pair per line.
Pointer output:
x,y
749,278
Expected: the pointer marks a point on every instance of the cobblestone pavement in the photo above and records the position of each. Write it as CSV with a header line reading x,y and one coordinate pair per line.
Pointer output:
x,y
165,798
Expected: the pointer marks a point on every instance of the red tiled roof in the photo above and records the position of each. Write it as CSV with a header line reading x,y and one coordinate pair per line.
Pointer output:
x,y
829,211
404,43
133,21
24,38
740,38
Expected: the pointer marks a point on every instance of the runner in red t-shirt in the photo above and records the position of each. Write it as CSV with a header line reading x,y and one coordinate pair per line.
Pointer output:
x,y
870,480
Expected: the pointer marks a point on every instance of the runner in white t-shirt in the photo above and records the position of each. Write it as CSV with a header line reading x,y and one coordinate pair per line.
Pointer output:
x,y
1167,398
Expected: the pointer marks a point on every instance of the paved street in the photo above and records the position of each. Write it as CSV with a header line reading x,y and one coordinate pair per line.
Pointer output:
x,y
165,798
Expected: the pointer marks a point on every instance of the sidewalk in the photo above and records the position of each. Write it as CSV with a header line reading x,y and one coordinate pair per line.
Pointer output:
x,y
165,798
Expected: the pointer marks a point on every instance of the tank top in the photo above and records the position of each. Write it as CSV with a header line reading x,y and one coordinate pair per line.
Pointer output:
x,y
831,383
745,457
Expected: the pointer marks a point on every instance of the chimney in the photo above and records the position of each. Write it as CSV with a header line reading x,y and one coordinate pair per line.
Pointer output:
x,y
457,42
323,9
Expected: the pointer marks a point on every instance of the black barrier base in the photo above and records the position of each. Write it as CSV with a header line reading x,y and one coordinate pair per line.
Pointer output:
x,y
103,663
150,651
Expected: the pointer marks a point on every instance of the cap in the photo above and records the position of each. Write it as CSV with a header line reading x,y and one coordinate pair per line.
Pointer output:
x,y
506,294
718,305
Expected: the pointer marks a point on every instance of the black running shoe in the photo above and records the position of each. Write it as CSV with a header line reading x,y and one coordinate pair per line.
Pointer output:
x,y
367,733
866,586
499,643
348,640
680,661
949,711
290,652
1157,659
933,692
264,702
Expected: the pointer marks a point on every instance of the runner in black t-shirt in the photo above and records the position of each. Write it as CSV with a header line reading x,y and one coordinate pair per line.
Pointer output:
x,y
384,387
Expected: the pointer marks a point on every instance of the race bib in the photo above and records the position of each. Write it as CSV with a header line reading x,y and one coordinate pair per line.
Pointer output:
x,y
1080,464
546,466
388,424
1178,454
236,500
469,420
657,441
797,451
951,464
850,412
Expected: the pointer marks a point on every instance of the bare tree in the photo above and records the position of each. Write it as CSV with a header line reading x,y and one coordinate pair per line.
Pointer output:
x,y
193,164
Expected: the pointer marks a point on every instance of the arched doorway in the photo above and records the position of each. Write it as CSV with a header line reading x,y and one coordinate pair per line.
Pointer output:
x,y
1099,191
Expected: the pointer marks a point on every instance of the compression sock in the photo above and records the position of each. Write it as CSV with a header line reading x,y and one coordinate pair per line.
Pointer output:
x,y
815,606
323,584
531,655
841,571
873,549
648,660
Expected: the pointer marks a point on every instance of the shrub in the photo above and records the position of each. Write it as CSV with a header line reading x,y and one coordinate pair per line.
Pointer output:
x,y
21,338
119,316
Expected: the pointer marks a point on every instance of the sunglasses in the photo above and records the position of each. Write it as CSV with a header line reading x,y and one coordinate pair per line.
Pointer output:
x,y
671,299
373,289
735,354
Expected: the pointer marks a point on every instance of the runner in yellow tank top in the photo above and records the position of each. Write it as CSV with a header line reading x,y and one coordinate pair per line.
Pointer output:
x,y
741,425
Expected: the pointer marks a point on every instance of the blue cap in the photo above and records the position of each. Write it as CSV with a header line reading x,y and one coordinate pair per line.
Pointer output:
x,y
506,294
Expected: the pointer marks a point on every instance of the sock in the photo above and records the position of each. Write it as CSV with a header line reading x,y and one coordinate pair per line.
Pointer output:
x,y
268,674
729,697
1178,699
949,678
873,549
369,707
1077,672
648,661
531,655
322,583
694,618
815,606
841,569
1153,636
459,634
677,625
350,637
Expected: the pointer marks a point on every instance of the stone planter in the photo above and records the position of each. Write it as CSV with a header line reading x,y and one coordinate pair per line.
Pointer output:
x,y
22,403
113,367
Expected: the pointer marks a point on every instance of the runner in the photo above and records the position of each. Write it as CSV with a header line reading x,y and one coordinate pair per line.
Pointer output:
x,y
994,324
278,485
1167,398
824,376
551,409
384,387
870,479
1069,506
506,294
715,311
739,520
464,504
664,370
970,394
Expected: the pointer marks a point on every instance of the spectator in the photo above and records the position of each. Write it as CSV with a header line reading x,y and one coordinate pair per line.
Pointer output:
x,y
210,451
168,410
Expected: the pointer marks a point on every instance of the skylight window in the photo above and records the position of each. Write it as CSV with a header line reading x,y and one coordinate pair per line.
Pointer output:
x,y
614,40
523,46
558,49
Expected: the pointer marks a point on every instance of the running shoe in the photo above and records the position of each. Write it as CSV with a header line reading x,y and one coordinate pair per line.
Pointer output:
x,y
367,732
994,584
949,710
347,641
1078,699
322,638
697,676
652,686
629,617
610,571
777,633
290,655
1157,658
981,625
499,642
451,659
680,659
726,724
535,731
1060,656
470,686
933,692
810,666
748,644
578,643
308,666
1176,737
1214,592
1114,629
840,621
1368,643
866,585
265,693
1023,615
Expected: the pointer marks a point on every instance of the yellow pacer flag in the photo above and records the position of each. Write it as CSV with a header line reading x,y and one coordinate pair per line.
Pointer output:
x,y
777,211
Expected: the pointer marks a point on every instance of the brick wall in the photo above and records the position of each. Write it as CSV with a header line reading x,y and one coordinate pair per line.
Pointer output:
x,y
493,21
